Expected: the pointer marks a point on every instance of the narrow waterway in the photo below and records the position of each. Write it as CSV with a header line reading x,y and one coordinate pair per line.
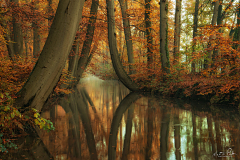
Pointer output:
x,y
103,120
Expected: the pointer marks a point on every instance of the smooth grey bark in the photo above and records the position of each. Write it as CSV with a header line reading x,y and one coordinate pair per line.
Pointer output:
x,y
214,22
177,31
73,58
117,65
148,27
164,36
123,106
17,32
51,62
195,26
83,60
127,32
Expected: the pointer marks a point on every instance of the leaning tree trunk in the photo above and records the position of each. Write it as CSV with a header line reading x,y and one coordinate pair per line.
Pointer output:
x,y
117,65
51,62
164,36
127,32
83,60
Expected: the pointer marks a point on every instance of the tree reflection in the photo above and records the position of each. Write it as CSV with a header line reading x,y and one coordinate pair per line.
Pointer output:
x,y
164,133
150,118
177,136
123,106
99,123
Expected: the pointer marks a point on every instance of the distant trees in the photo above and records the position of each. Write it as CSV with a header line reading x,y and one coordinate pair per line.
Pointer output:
x,y
157,49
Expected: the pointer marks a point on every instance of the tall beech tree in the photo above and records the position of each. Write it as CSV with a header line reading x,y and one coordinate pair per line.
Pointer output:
x,y
17,37
36,35
51,62
164,36
117,65
77,64
195,26
177,31
127,32
85,53
148,27
214,22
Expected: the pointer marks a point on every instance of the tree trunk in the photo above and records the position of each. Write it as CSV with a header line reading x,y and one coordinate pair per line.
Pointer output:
x,y
127,32
51,62
177,32
36,36
10,47
237,30
148,27
164,36
17,32
73,58
122,75
214,22
195,26
83,60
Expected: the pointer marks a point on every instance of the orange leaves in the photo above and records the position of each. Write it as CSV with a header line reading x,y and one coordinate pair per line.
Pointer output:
x,y
14,75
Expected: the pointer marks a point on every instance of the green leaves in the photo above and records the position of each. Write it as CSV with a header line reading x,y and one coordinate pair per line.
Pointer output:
x,y
42,123
11,119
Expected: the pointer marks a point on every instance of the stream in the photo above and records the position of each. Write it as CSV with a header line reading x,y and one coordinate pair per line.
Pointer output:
x,y
103,120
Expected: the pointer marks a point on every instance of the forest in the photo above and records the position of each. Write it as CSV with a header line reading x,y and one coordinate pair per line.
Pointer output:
x,y
186,49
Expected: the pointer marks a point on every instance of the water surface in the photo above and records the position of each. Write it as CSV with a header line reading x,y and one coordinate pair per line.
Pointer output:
x,y
103,120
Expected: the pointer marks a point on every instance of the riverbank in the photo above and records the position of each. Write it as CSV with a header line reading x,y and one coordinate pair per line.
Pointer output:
x,y
214,89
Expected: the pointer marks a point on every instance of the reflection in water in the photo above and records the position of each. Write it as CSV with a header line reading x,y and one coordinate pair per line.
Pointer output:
x,y
101,120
